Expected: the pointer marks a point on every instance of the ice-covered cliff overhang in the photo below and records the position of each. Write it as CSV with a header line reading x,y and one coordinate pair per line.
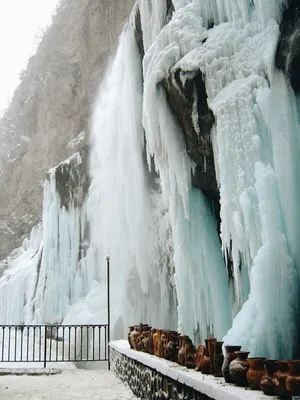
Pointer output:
x,y
288,51
72,179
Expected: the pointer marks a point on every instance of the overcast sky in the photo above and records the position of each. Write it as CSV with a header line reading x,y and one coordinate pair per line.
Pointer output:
x,y
20,20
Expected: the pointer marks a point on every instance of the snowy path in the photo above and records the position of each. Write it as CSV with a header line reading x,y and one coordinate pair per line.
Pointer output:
x,y
70,385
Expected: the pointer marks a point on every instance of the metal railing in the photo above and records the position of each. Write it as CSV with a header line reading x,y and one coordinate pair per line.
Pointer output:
x,y
54,343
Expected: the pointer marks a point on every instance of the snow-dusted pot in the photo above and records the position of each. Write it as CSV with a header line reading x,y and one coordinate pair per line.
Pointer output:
x,y
229,356
293,380
255,372
238,368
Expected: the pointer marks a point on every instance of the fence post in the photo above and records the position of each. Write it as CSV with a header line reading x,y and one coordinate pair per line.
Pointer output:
x,y
45,346
108,310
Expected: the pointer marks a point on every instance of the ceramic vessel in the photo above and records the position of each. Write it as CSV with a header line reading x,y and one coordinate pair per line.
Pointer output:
x,y
229,356
218,360
206,365
187,352
255,372
151,345
134,336
293,380
211,345
280,379
157,343
266,382
131,328
200,353
172,346
238,368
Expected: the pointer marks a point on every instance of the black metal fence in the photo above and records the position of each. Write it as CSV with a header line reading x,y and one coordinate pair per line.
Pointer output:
x,y
54,343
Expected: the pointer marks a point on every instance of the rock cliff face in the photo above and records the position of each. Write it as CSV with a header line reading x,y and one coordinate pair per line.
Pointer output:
x,y
48,118
288,51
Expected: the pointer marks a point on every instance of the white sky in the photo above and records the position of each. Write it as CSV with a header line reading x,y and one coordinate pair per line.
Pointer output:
x,y
20,20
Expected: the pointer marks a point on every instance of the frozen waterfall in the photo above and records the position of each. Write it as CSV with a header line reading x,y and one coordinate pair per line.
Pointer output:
x,y
168,254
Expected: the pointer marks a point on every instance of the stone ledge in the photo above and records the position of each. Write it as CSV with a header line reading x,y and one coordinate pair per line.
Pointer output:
x,y
30,371
207,386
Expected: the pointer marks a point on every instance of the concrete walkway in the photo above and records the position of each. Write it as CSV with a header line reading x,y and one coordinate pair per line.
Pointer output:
x,y
69,385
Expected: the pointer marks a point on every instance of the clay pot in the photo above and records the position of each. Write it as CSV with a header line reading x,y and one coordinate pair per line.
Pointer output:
x,y
255,372
238,368
131,328
199,357
293,380
157,343
151,344
229,356
280,379
164,342
172,346
218,359
134,336
206,365
187,352
266,381
145,341
211,345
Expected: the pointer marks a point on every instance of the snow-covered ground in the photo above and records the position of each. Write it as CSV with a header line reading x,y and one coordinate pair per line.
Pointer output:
x,y
70,385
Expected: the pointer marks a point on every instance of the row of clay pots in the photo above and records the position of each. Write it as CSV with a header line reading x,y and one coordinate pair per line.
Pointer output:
x,y
172,346
163,343
273,377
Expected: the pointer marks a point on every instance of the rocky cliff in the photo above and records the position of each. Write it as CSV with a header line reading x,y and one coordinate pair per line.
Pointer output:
x,y
48,118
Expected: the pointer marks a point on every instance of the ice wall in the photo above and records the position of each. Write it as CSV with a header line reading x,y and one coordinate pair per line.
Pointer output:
x,y
49,272
167,265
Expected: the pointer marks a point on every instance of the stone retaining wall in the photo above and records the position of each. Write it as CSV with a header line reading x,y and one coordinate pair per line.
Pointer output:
x,y
150,377
147,383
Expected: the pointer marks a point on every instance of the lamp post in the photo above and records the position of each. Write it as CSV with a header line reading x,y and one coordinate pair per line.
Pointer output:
x,y
108,308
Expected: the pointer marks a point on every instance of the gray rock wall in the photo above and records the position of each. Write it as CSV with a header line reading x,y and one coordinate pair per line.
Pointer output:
x,y
146,383
52,106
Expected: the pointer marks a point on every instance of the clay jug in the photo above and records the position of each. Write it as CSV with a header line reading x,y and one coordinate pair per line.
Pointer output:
x,y
145,341
206,365
199,357
280,379
181,350
218,360
190,354
157,343
172,346
164,342
266,381
134,336
131,328
255,372
293,380
211,344
151,344
229,356
238,368
187,352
